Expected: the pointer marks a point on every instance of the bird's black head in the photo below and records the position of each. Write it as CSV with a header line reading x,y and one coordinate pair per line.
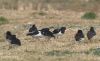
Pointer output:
x,y
63,29
92,29
80,31
79,34
8,33
33,28
33,25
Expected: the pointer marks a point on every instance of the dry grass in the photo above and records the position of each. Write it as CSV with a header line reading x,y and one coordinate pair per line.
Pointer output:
x,y
79,5
66,48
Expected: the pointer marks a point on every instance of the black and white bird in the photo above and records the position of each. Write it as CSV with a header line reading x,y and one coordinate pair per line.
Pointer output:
x,y
12,40
91,33
79,36
45,32
59,31
34,32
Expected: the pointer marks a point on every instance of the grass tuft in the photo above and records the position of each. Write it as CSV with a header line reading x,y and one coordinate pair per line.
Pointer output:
x,y
93,51
89,15
3,20
97,52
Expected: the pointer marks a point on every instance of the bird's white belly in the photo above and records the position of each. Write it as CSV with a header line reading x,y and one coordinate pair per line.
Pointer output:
x,y
59,33
82,39
39,34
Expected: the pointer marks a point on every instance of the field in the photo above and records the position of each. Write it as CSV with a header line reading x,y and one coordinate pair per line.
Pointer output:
x,y
65,48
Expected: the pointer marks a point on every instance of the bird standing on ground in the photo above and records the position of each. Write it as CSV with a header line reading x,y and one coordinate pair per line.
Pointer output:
x,y
79,35
91,33
47,33
59,31
12,40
